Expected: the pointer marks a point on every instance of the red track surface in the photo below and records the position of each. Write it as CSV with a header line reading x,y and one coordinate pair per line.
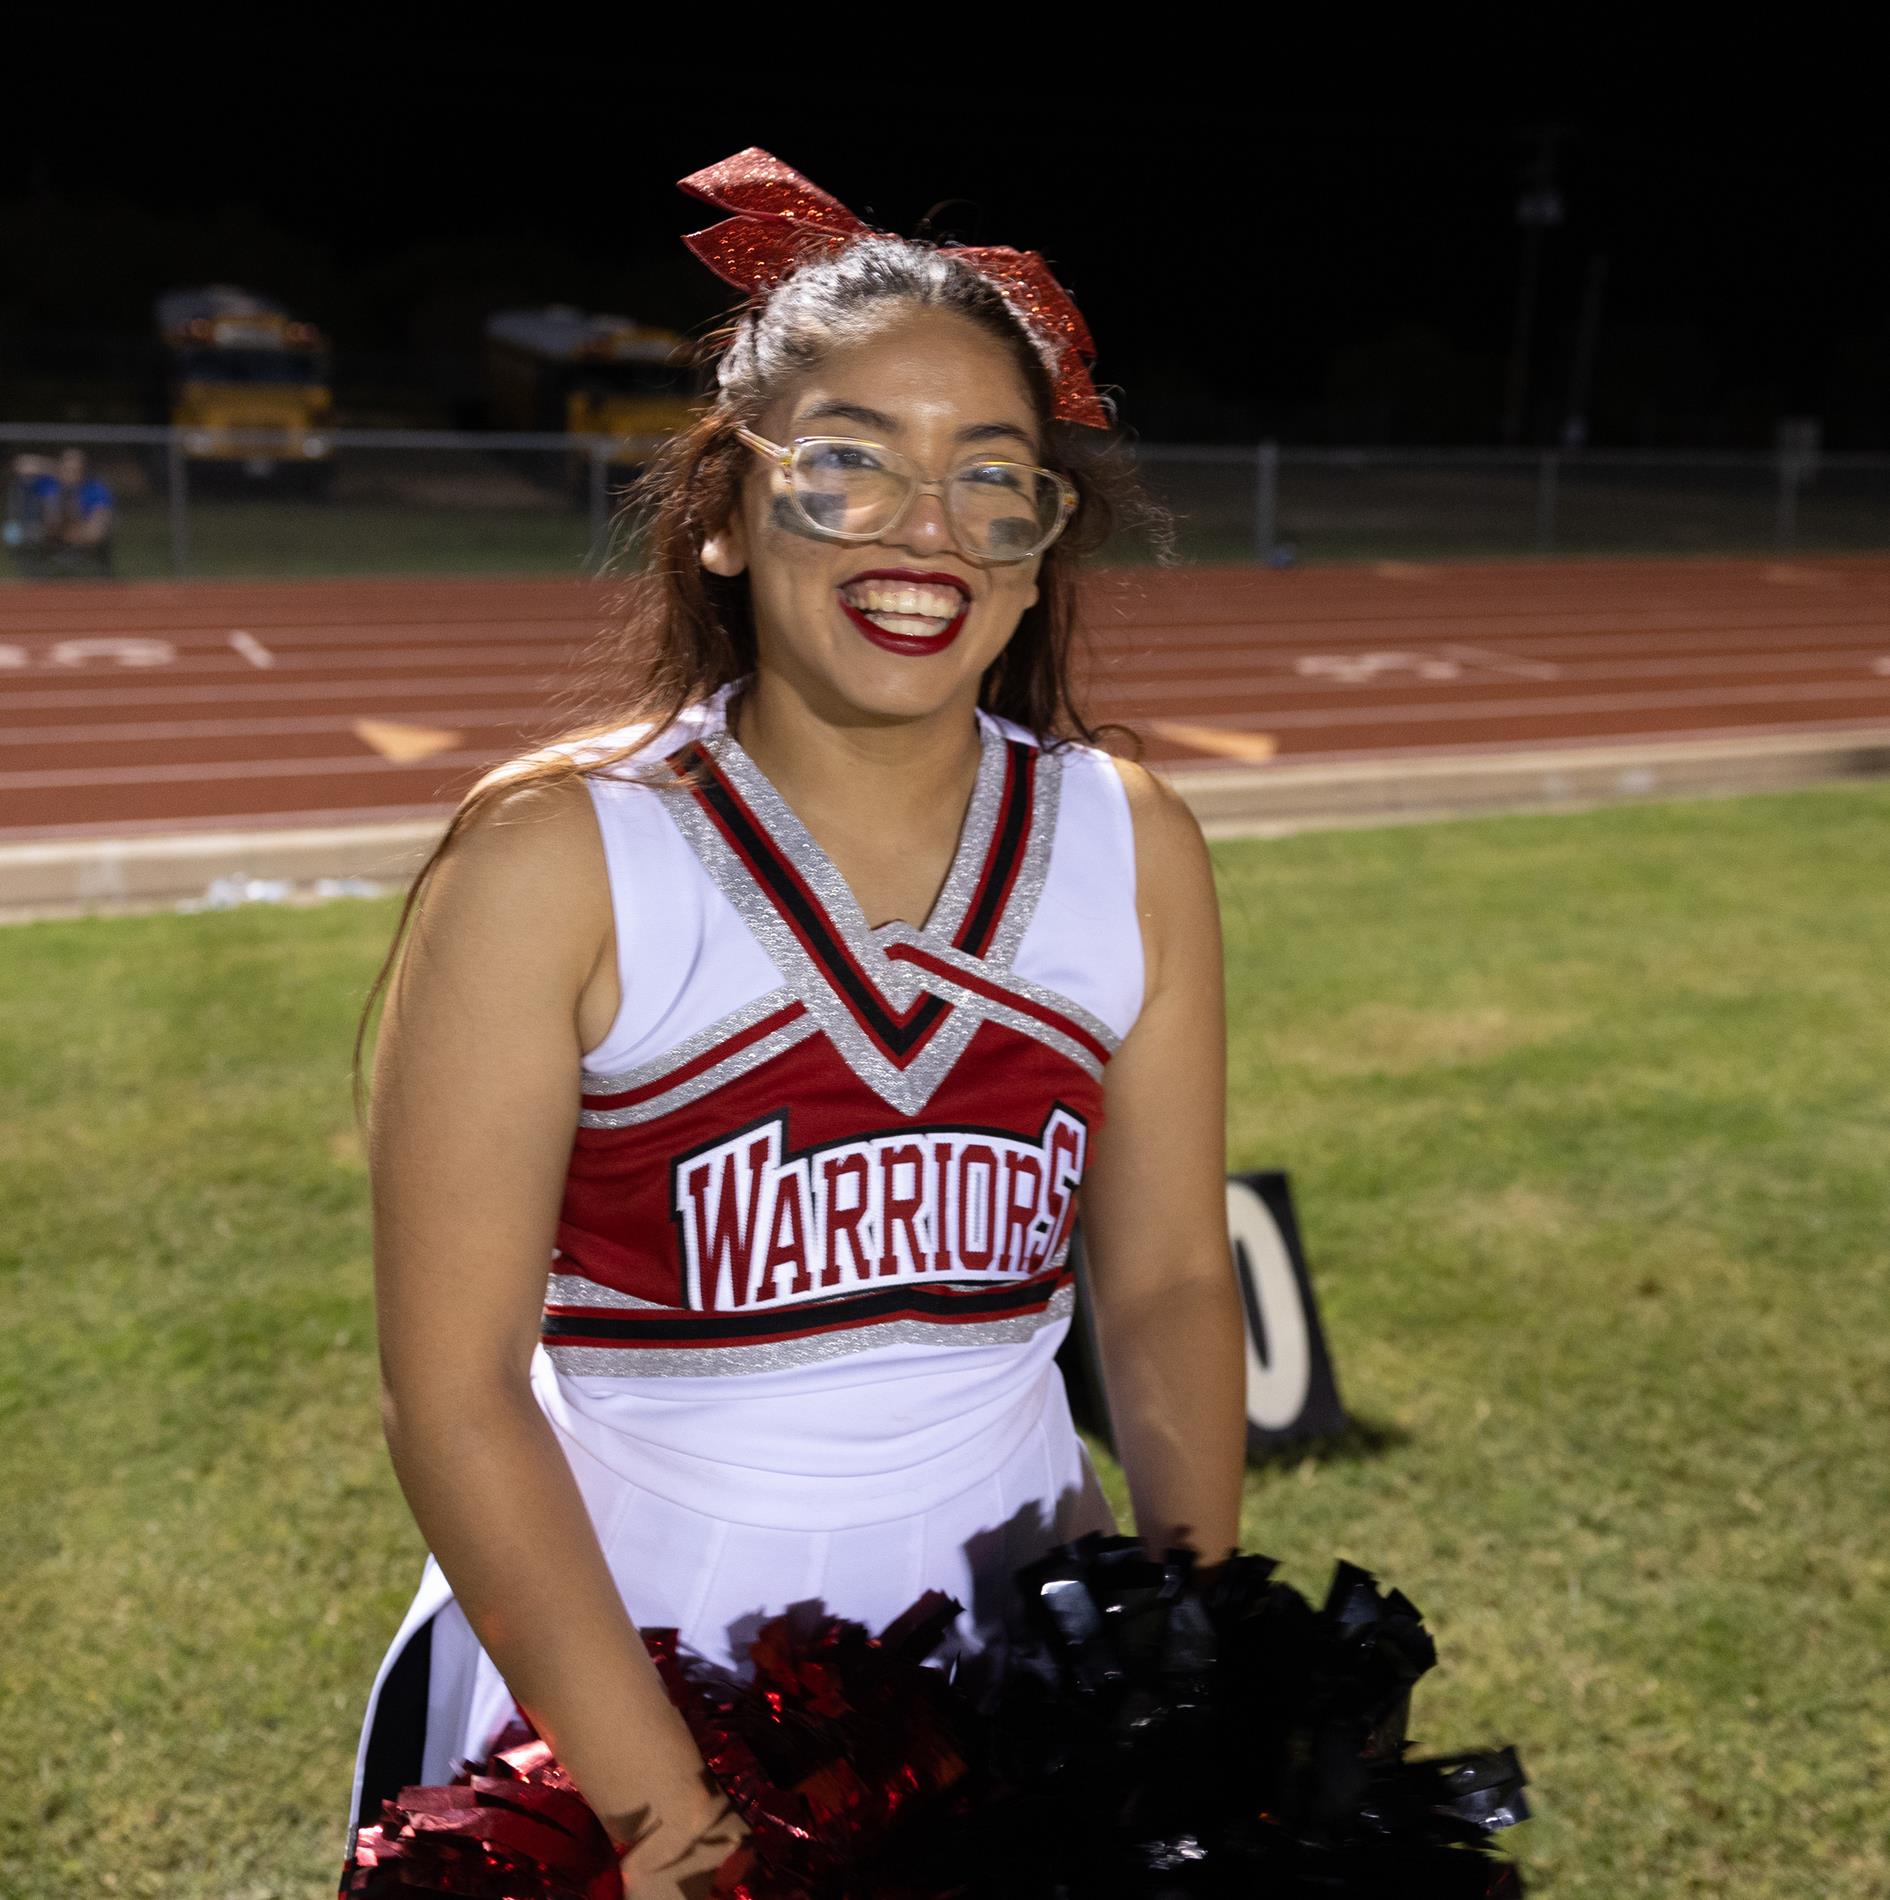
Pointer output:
x,y
237,702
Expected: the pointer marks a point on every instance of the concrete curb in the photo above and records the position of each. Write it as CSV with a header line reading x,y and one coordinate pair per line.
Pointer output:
x,y
1251,801
78,877
63,878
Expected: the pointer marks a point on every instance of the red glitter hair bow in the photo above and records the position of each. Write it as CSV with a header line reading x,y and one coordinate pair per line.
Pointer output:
x,y
779,220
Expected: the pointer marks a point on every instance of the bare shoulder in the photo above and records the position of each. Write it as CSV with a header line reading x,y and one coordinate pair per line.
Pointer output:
x,y
526,869
537,830
1169,846
1174,875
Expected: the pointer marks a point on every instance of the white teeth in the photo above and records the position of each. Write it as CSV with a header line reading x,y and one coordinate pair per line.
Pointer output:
x,y
917,625
904,598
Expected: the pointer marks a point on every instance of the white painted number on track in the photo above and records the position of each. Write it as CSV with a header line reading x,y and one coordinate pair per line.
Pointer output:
x,y
1492,661
113,652
1443,663
251,648
1359,669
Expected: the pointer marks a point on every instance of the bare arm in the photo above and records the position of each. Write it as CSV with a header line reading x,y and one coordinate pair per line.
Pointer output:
x,y
1154,1207
474,1107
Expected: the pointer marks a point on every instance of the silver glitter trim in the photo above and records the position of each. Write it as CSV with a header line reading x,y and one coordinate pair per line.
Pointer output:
x,y
796,843
744,1017
982,1009
777,1042
739,1063
1032,992
907,1088
574,1289
776,1355
974,844
1028,887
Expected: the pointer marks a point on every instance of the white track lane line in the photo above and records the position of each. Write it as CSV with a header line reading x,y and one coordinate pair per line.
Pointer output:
x,y
1235,637
1547,705
1868,730
251,648
242,822
1285,662
215,657
1863,731
1268,678
1438,699
1140,697
52,779
288,675
1114,666
513,718
268,692
1565,643
1120,689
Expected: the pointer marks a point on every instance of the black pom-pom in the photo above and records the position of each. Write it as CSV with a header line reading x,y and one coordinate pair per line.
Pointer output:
x,y
1155,1734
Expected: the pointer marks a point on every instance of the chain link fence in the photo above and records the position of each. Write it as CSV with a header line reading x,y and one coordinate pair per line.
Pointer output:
x,y
1279,504
371,502
379,502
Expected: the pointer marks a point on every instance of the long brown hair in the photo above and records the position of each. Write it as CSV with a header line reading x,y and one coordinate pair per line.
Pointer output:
x,y
677,632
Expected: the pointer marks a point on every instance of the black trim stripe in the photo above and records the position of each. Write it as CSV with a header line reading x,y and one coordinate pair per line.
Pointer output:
x,y
397,1742
811,924
1007,844
676,1328
900,1037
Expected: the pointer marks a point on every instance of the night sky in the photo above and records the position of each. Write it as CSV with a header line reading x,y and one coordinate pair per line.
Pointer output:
x,y
1330,277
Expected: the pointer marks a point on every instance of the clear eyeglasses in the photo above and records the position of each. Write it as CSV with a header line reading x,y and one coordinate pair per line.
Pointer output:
x,y
849,490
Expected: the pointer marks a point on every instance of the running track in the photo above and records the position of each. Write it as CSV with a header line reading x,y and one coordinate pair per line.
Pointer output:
x,y
136,708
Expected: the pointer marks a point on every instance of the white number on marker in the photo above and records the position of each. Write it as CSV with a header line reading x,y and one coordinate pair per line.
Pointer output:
x,y
1276,1385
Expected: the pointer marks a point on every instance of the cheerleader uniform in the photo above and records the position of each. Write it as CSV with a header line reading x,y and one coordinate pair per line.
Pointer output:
x,y
811,1269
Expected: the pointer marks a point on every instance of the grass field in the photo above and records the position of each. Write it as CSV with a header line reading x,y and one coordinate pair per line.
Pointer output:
x,y
1587,1123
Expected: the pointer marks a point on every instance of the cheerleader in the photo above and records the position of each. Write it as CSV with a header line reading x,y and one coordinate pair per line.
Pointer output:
x,y
751,1055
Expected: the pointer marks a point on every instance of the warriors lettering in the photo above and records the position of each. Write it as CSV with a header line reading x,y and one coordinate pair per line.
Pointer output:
x,y
761,1226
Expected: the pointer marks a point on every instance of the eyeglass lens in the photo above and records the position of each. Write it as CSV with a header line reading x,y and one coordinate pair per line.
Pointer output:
x,y
999,510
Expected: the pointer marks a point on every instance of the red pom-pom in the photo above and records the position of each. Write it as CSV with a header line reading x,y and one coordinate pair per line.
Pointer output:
x,y
512,1828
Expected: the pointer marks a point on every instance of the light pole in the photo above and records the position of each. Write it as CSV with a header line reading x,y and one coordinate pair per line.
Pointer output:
x,y
1538,207
1582,375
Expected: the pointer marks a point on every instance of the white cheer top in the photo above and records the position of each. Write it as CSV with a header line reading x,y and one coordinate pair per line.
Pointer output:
x,y
811,1268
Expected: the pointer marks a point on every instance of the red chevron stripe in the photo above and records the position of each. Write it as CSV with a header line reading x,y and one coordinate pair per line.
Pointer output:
x,y
733,1045
984,986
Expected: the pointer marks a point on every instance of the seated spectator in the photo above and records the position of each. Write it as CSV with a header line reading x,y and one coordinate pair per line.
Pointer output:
x,y
32,507
84,531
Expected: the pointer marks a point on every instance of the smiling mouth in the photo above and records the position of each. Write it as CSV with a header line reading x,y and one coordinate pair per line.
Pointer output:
x,y
906,613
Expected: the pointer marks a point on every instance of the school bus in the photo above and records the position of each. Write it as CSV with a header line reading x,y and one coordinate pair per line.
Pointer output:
x,y
564,372
247,384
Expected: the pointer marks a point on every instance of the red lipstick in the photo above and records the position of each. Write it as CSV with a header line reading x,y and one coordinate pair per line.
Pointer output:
x,y
913,644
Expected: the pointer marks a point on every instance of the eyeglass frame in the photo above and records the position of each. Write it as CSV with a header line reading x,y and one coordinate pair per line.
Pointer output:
x,y
782,455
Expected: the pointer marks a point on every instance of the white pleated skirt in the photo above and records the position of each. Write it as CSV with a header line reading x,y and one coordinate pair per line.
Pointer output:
x,y
850,1489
